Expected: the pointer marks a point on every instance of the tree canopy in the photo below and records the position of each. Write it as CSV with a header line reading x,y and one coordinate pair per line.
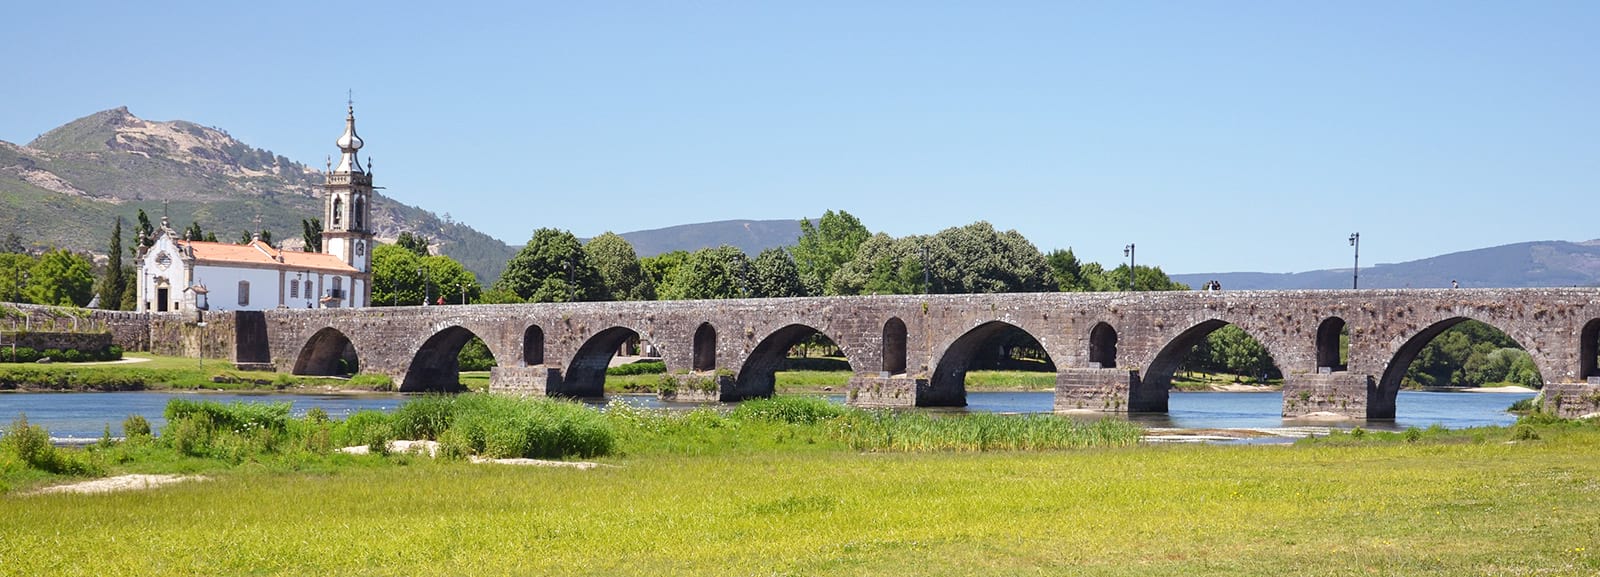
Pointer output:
x,y
61,277
401,277
619,268
826,246
552,267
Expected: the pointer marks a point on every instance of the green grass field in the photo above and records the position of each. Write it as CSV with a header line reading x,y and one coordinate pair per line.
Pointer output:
x,y
1457,508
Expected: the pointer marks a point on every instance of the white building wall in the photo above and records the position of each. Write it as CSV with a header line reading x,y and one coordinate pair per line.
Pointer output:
x,y
223,286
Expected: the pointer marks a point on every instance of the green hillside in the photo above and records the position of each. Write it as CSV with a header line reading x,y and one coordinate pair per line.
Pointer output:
x,y
65,188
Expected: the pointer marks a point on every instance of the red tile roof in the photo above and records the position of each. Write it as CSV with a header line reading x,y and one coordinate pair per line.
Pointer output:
x,y
261,254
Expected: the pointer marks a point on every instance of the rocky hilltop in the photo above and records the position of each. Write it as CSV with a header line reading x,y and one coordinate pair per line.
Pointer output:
x,y
66,187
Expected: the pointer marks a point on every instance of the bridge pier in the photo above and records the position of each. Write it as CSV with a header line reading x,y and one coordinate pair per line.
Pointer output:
x,y
531,381
883,390
1342,393
1572,400
1103,390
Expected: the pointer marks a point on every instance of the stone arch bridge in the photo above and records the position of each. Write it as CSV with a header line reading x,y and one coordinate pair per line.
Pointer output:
x,y
1112,351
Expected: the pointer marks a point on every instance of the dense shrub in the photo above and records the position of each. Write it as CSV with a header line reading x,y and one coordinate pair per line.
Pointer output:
x,y
365,428
28,355
135,426
794,409
30,445
424,417
640,368
498,427
895,431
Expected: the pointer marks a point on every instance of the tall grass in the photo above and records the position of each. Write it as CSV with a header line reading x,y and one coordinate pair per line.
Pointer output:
x,y
913,432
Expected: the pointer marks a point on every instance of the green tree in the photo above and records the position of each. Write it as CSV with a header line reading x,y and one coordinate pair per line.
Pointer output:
x,y
497,296
246,237
113,282
12,244
882,265
15,271
1066,269
400,277
194,232
61,277
397,276
311,233
969,259
143,233
1145,278
826,246
659,267
1468,355
541,271
415,243
619,268
711,273
774,275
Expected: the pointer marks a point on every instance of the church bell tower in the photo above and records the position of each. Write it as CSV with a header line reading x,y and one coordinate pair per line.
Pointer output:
x,y
347,214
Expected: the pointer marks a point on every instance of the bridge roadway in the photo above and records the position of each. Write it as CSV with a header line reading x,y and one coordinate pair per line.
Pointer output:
x,y
1113,351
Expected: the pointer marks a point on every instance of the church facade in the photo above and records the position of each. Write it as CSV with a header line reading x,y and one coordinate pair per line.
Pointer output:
x,y
180,275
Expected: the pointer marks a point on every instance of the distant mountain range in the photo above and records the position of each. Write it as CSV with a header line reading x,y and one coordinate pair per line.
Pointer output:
x,y
1524,264
65,188
750,236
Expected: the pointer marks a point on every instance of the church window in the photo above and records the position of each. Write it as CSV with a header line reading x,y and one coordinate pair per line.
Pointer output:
x,y
355,215
338,210
294,289
244,293
338,284
308,289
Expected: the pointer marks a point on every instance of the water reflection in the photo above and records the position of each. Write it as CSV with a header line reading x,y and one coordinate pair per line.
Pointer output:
x,y
86,415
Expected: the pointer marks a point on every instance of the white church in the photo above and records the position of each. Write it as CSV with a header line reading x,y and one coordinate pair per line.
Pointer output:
x,y
183,275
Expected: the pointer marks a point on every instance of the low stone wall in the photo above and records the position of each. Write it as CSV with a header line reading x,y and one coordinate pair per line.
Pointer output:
x,y
1103,390
180,335
883,391
1340,393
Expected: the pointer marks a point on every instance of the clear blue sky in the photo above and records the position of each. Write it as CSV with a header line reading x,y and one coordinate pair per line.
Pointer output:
x,y
1218,136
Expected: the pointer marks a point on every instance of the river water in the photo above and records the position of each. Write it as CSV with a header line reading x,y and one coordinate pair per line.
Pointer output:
x,y
86,415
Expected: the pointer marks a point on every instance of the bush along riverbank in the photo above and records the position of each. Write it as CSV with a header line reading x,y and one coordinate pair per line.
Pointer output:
x,y
206,435
146,372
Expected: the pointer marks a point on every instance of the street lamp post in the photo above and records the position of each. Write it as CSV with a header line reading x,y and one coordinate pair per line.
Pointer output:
x,y
425,292
1355,273
1128,251
463,292
572,271
926,286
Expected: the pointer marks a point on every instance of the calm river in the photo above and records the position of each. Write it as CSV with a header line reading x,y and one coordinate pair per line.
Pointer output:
x,y
85,415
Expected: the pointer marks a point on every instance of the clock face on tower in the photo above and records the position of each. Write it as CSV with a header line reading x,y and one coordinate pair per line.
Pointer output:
x,y
361,248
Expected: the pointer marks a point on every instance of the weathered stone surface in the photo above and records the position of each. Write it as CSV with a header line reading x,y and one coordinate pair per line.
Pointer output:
x,y
914,350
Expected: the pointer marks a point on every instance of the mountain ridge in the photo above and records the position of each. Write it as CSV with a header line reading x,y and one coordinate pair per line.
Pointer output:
x,y
65,187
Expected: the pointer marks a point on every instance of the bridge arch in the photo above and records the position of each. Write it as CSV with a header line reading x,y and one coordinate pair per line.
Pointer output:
x,y
1381,402
757,376
533,346
436,364
705,348
585,374
328,352
1589,350
947,385
1151,392
1329,335
1103,346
